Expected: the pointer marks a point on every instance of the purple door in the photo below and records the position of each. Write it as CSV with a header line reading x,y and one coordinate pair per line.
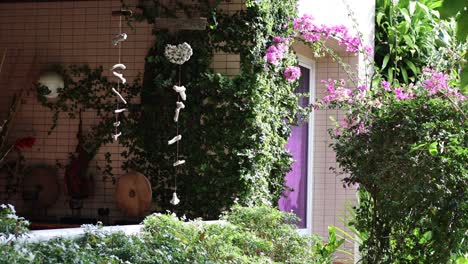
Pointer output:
x,y
298,142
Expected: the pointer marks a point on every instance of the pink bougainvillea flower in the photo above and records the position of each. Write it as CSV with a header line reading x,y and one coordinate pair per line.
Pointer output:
x,y
435,81
275,53
272,55
363,87
362,129
292,73
401,95
311,32
386,85
280,40
330,86
345,123
343,94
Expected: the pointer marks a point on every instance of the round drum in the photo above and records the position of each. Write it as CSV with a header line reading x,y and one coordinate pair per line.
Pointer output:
x,y
133,194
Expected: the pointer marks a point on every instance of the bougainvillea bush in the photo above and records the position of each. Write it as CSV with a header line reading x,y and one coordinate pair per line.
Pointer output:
x,y
403,144
407,147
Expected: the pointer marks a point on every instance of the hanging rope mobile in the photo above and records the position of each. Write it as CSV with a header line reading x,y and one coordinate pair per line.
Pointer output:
x,y
178,54
117,70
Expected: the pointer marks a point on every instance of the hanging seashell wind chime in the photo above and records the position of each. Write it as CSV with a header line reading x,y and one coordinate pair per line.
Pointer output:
x,y
117,71
178,54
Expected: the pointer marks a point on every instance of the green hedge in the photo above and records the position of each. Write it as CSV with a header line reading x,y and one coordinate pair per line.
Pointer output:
x,y
249,235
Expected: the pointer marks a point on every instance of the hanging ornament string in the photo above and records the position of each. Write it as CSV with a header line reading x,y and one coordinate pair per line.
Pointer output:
x,y
178,55
117,70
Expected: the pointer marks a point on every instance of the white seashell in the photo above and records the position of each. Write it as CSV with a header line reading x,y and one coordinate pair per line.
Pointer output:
x,y
181,91
119,38
117,111
179,162
119,66
119,95
175,200
174,139
117,124
116,136
120,76
179,106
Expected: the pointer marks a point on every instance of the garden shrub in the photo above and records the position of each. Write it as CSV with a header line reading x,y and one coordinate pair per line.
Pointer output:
x,y
245,237
403,140
413,164
11,225
288,245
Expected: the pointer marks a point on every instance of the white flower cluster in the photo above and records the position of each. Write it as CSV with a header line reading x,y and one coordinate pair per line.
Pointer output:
x,y
178,54
8,206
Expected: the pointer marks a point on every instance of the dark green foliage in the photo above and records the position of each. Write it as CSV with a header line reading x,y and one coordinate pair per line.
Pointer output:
x,y
406,34
250,235
459,10
233,129
412,164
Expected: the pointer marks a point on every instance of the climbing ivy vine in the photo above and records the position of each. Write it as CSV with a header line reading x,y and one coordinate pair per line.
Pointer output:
x,y
235,128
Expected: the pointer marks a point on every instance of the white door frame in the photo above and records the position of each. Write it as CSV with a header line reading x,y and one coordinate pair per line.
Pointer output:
x,y
310,64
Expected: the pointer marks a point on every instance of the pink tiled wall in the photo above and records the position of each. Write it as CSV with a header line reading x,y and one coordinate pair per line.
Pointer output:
x,y
35,35
38,34
330,199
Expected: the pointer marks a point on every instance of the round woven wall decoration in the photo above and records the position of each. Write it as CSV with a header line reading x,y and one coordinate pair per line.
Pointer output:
x,y
133,194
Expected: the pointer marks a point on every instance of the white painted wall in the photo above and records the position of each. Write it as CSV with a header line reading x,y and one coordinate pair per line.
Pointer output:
x,y
337,12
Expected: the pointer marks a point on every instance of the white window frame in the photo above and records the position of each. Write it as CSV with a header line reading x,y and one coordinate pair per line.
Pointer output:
x,y
309,64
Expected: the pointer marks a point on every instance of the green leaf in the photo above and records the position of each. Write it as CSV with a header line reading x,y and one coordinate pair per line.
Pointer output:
x,y
424,8
378,18
406,15
412,7
462,28
405,74
418,147
433,148
464,80
411,65
390,75
385,61
462,260
409,41
426,237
